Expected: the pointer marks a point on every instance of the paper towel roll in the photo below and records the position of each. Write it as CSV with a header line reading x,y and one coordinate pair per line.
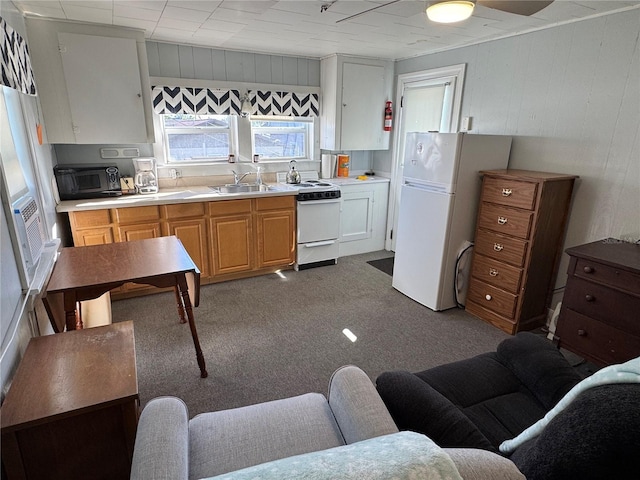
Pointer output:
x,y
328,165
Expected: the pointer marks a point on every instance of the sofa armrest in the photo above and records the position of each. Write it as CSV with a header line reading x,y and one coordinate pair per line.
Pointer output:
x,y
416,405
357,407
539,365
161,450
474,464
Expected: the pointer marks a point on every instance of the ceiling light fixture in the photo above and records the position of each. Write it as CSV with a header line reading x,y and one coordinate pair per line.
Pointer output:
x,y
450,11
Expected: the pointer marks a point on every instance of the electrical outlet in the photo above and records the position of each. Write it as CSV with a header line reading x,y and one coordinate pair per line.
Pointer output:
x,y
175,173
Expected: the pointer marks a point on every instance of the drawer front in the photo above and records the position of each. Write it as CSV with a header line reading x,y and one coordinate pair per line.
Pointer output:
x,y
275,203
495,273
505,220
613,307
492,298
229,207
616,278
137,214
588,337
504,249
181,210
93,218
506,324
513,193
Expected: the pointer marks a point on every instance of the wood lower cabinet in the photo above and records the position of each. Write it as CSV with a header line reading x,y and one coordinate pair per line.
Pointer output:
x,y
275,229
599,317
226,239
519,234
231,233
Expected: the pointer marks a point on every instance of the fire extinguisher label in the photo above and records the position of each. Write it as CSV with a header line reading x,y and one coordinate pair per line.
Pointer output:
x,y
388,117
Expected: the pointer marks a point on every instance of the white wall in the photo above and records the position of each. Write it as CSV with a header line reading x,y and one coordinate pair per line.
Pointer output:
x,y
570,95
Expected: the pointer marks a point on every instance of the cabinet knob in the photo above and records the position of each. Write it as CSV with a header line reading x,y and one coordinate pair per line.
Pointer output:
x,y
589,298
582,333
498,247
493,272
502,220
588,269
506,192
488,297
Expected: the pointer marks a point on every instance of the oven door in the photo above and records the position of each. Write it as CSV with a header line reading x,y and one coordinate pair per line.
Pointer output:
x,y
318,220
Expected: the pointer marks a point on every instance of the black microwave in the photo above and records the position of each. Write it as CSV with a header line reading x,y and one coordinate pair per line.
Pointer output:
x,y
80,181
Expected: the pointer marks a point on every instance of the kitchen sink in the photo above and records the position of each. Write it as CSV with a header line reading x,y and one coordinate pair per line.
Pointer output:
x,y
242,188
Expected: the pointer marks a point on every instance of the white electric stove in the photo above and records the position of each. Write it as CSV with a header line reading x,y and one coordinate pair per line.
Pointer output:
x,y
318,223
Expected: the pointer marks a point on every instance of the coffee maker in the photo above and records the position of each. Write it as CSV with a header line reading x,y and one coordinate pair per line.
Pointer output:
x,y
146,179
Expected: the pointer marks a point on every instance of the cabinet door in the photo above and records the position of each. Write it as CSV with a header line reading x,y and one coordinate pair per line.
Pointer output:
x,y
231,244
102,76
139,231
276,238
356,218
363,97
92,236
193,235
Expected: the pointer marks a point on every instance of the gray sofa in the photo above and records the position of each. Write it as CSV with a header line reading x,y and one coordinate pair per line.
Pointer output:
x,y
169,446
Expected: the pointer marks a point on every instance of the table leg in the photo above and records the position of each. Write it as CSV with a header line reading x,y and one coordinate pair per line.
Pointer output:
x,y
73,317
180,305
182,286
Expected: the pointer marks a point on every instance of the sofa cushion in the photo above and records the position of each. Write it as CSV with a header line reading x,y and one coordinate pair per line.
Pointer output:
x,y
596,436
415,405
401,456
228,440
539,365
490,395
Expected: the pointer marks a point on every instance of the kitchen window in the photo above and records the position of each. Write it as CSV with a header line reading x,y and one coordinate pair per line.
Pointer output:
x,y
193,138
282,138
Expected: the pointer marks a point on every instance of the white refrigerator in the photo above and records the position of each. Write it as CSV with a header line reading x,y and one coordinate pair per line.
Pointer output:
x,y
438,207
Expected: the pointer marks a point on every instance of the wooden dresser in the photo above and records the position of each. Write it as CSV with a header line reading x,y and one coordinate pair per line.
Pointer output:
x,y
519,233
600,315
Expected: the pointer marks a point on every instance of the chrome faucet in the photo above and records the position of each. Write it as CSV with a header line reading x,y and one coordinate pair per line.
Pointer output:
x,y
237,178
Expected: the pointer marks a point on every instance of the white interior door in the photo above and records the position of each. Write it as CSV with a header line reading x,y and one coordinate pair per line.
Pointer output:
x,y
429,101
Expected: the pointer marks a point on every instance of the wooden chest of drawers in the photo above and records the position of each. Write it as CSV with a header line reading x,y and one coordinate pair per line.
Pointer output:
x,y
519,233
600,314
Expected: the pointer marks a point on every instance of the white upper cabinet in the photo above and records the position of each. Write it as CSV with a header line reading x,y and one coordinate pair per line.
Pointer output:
x,y
93,82
354,92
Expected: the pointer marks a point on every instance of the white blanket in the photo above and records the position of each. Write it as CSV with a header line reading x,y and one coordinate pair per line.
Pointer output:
x,y
628,372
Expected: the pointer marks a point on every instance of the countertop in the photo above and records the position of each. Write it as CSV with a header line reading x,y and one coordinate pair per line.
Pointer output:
x,y
168,196
193,194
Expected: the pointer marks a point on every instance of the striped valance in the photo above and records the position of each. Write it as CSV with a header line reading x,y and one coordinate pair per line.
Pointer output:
x,y
15,63
214,101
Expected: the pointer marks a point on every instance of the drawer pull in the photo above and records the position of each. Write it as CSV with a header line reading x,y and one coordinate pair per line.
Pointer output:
x,y
588,269
502,220
488,297
493,272
497,247
582,333
506,192
589,298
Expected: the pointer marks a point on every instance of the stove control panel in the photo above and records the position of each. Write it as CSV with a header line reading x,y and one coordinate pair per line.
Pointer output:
x,y
326,195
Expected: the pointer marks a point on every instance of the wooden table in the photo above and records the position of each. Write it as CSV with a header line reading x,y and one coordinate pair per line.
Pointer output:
x,y
72,409
85,273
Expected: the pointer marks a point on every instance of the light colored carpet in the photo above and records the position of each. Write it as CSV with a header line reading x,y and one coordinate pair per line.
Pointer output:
x,y
270,337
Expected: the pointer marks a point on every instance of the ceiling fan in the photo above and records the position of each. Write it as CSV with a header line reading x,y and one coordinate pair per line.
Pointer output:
x,y
437,11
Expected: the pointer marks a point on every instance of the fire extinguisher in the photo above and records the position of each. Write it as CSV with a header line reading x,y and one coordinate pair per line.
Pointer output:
x,y
388,117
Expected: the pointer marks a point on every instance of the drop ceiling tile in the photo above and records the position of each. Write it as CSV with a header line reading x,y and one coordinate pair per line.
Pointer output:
x,y
88,14
204,6
233,15
146,25
224,26
102,4
128,11
174,24
249,6
185,14
146,4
